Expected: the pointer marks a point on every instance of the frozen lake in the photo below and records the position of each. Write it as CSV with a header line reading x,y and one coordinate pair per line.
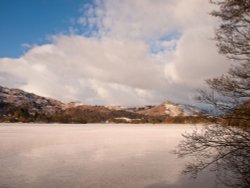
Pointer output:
x,y
94,156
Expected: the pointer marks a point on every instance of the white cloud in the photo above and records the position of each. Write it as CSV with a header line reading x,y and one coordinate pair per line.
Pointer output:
x,y
88,69
116,65
196,58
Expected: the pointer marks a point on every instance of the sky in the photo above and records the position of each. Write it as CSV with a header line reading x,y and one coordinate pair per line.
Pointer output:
x,y
109,52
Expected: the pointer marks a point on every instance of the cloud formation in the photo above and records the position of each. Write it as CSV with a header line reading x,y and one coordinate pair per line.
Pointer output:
x,y
135,52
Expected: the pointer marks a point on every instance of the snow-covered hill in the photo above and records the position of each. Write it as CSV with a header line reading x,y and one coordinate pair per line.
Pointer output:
x,y
17,105
16,98
171,109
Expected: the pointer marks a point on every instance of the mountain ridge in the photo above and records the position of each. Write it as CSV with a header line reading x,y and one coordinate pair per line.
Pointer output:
x,y
19,106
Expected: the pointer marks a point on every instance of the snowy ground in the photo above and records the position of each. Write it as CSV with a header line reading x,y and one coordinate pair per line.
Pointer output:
x,y
107,156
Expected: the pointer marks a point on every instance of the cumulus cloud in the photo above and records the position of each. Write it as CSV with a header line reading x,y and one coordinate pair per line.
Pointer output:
x,y
135,52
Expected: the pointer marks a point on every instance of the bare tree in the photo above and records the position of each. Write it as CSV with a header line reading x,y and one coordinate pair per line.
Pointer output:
x,y
224,147
233,34
233,40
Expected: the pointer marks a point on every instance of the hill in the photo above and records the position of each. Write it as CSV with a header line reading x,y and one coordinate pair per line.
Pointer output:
x,y
20,106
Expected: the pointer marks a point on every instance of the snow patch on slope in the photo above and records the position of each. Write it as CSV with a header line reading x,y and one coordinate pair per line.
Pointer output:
x,y
172,109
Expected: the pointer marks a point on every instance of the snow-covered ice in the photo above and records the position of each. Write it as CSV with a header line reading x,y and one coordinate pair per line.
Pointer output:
x,y
97,155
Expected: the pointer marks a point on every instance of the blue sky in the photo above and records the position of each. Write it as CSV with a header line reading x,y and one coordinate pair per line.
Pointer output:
x,y
32,21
